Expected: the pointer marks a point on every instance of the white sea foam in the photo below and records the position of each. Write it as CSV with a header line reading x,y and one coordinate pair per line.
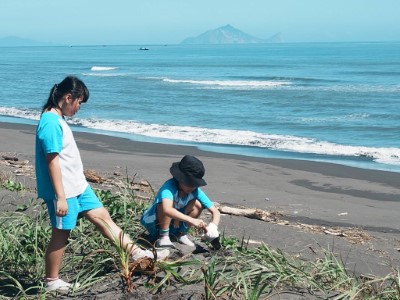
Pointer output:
x,y
98,68
355,88
323,119
104,74
389,156
232,83
245,138
20,113
289,84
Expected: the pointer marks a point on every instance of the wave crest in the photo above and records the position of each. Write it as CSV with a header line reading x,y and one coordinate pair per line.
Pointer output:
x,y
30,114
245,138
289,143
103,74
99,68
232,83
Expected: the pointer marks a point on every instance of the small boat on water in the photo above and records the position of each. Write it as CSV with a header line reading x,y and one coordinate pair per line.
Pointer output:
x,y
143,48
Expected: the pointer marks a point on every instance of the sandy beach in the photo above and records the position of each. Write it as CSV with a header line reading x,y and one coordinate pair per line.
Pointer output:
x,y
352,212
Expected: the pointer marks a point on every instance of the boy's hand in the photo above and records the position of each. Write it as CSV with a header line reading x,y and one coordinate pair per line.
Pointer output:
x,y
199,224
212,231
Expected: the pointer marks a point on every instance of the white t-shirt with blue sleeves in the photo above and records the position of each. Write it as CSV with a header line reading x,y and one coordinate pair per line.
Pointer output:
x,y
53,135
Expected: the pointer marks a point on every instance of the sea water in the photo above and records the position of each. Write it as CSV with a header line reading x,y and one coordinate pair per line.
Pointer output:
x,y
333,102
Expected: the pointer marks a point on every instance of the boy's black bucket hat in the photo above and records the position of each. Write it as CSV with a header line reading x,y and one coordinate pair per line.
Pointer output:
x,y
189,171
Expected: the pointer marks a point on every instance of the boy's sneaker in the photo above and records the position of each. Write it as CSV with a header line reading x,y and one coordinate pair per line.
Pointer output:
x,y
183,239
164,242
59,285
139,253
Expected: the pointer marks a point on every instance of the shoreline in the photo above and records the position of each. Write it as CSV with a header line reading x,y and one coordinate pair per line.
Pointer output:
x,y
243,152
305,192
128,145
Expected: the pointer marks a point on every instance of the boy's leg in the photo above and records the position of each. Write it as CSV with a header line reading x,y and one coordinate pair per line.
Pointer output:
x,y
163,220
55,252
163,228
193,209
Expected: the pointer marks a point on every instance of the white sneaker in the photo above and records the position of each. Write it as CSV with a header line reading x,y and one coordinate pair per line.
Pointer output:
x,y
161,254
60,285
164,242
183,239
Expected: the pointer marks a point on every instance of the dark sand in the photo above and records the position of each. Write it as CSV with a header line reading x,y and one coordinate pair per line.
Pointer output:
x,y
306,193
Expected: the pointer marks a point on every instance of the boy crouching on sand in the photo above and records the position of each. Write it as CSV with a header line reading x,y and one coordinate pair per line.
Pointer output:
x,y
178,205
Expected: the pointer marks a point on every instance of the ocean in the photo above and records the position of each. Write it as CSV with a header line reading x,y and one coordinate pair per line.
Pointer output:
x,y
330,102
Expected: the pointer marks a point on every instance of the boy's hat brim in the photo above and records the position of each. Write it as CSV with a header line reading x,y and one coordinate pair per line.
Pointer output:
x,y
189,171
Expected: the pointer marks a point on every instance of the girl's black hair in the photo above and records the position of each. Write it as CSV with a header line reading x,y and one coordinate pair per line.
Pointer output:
x,y
70,85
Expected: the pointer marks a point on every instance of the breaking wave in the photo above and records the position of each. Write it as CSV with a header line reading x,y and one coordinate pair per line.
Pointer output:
x,y
231,83
390,156
97,68
224,84
20,113
244,138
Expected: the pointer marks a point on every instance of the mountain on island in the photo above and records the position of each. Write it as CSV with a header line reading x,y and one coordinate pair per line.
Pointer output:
x,y
229,35
14,41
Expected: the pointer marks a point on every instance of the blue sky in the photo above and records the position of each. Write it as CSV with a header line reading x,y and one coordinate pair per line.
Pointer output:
x,y
85,22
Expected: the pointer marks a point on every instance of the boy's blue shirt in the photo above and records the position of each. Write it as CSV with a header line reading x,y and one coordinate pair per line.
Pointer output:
x,y
170,190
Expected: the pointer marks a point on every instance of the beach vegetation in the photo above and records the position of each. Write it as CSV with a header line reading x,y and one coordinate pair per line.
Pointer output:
x,y
238,271
12,185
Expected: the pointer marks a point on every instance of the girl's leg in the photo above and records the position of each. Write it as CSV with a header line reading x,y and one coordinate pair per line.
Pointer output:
x,y
55,252
102,220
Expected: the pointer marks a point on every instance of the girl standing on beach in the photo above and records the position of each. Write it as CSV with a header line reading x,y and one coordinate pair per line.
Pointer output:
x,y
62,184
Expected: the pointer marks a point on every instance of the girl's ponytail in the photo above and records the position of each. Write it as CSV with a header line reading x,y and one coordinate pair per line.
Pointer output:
x,y
70,85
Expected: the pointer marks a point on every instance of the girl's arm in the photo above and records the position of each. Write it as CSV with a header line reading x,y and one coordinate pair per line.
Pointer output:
x,y
56,179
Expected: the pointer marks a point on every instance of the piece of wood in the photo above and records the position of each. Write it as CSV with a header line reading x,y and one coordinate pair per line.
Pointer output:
x,y
11,158
247,212
91,176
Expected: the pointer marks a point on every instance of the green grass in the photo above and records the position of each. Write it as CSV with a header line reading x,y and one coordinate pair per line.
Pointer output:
x,y
236,272
13,186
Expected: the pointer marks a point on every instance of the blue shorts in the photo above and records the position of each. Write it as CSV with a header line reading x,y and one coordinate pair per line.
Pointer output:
x,y
76,205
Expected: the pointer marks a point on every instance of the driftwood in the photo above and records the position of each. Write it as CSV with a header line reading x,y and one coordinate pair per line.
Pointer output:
x,y
252,213
91,176
11,158
354,235
22,167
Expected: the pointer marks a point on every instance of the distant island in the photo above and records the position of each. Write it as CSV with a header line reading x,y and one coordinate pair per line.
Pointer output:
x,y
14,41
229,35
223,35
